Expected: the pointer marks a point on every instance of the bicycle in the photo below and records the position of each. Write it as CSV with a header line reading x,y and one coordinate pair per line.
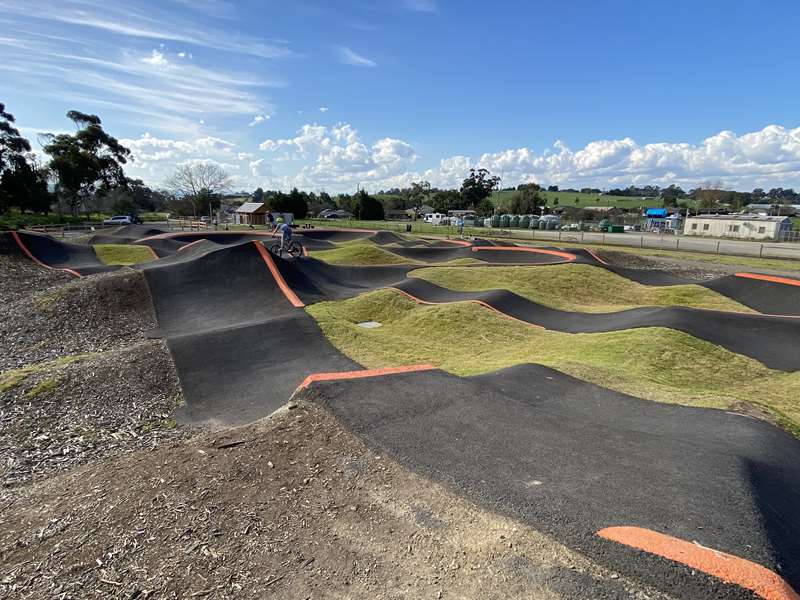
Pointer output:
x,y
292,248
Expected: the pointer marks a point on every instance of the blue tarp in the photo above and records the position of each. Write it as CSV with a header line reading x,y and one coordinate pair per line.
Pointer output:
x,y
657,213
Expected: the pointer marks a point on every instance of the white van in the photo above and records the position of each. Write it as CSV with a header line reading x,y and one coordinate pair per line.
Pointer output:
x,y
437,219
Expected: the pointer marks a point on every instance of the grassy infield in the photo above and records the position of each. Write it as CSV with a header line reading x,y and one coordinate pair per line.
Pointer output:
x,y
123,254
655,363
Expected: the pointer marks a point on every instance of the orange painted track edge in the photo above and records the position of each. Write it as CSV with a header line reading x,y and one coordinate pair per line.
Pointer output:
x,y
30,255
566,255
343,375
276,274
726,567
596,257
771,278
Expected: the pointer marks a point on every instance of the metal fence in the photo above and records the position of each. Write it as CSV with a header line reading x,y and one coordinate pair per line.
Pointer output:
x,y
653,241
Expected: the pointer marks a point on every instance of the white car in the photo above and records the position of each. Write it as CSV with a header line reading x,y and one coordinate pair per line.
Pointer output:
x,y
119,220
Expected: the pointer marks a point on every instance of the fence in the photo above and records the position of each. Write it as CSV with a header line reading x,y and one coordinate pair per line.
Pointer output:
x,y
653,241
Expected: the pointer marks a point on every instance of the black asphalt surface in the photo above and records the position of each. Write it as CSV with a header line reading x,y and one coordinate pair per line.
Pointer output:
x,y
570,458
62,255
764,296
775,341
240,347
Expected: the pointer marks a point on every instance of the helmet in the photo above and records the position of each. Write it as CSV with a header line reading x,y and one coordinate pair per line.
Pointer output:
x,y
279,220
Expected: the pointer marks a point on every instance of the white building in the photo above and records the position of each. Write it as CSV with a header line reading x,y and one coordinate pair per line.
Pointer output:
x,y
746,227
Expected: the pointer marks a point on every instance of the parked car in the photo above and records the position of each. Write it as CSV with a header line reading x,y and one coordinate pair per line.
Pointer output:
x,y
119,220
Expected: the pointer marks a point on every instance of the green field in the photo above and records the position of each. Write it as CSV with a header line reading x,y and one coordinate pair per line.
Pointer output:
x,y
584,200
465,339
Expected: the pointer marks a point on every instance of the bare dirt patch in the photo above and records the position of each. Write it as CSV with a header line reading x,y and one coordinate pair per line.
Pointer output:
x,y
293,506
62,414
91,314
699,271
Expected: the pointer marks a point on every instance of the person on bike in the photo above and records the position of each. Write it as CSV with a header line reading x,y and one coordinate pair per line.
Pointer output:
x,y
286,233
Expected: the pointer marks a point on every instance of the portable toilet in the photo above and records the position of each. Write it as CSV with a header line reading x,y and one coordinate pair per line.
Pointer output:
x,y
524,221
505,221
496,220
514,221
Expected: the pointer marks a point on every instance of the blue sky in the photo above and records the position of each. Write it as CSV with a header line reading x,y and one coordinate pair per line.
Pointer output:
x,y
335,94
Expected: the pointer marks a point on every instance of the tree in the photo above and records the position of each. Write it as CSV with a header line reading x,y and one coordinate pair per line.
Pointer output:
x,y
526,200
477,186
552,188
22,183
418,195
258,195
297,204
485,208
366,207
444,200
198,182
85,161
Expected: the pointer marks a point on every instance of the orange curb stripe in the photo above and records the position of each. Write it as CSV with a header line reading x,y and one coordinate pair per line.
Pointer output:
x,y
474,301
338,376
597,258
273,268
457,242
30,255
728,568
566,255
190,244
772,278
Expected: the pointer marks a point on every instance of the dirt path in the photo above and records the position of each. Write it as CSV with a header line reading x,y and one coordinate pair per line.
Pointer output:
x,y
289,507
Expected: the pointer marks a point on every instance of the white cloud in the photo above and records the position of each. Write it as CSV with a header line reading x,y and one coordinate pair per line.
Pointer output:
x,y
134,18
145,89
346,56
157,59
257,120
338,158
323,109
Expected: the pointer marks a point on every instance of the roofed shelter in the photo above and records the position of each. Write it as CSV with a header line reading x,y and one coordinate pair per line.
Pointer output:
x,y
251,213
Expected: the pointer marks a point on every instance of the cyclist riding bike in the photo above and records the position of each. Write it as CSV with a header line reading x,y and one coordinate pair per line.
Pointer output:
x,y
286,233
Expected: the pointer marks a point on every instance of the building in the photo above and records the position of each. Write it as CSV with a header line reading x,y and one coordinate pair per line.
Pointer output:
x,y
251,213
658,219
744,226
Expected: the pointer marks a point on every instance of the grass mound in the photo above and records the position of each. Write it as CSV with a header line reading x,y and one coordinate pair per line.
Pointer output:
x,y
555,286
361,254
123,254
465,339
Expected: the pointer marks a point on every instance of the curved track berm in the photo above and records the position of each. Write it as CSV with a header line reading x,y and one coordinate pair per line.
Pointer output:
x,y
773,340
240,347
571,458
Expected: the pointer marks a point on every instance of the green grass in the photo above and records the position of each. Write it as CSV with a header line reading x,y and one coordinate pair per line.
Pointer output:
x,y
555,286
43,387
364,253
123,254
15,377
501,198
653,363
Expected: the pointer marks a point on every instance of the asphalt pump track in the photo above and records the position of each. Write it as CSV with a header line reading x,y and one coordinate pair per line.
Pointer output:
x,y
566,456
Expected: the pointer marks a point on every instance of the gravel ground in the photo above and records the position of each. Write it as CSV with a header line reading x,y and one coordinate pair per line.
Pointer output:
x,y
20,277
697,270
292,506
57,415
91,314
